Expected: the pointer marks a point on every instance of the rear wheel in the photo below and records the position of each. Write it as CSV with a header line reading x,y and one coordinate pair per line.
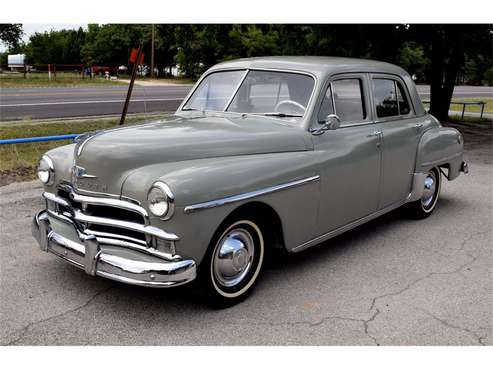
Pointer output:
x,y
425,206
233,262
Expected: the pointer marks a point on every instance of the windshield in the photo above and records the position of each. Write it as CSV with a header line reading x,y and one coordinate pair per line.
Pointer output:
x,y
282,94
215,91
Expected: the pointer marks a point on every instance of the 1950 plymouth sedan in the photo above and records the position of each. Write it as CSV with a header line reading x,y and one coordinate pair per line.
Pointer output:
x,y
264,153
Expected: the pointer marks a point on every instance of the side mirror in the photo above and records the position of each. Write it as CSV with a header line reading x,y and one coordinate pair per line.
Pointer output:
x,y
332,122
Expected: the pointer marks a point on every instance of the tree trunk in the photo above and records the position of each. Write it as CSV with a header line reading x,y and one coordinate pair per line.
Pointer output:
x,y
446,61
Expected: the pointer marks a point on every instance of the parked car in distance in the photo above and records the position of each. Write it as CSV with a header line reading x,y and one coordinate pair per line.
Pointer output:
x,y
263,154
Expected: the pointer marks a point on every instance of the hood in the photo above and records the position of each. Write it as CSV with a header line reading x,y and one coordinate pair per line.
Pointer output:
x,y
111,155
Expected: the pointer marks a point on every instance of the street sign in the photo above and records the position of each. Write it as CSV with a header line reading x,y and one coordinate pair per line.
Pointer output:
x,y
133,57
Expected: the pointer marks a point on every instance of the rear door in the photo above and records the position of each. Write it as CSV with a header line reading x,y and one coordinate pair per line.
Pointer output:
x,y
400,130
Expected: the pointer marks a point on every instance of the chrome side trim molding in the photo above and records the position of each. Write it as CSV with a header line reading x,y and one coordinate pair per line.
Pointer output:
x,y
352,225
249,195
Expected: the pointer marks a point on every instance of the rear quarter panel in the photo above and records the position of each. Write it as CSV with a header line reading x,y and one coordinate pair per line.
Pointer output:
x,y
438,147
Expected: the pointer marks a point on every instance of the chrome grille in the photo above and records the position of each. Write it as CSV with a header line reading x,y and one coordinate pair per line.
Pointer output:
x,y
102,211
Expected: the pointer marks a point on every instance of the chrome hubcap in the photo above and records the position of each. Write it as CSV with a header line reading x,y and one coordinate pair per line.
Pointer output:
x,y
233,257
429,190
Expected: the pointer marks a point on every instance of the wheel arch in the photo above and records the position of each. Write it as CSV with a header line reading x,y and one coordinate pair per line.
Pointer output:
x,y
269,221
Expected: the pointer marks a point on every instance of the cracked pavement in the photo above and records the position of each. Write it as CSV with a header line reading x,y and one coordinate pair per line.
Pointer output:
x,y
393,281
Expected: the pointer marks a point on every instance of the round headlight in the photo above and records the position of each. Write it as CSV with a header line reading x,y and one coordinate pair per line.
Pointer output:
x,y
46,170
161,200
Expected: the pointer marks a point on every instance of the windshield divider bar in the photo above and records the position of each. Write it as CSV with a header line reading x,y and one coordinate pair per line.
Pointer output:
x,y
236,90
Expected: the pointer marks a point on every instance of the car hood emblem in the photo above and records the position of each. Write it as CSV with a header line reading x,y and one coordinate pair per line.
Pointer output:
x,y
80,172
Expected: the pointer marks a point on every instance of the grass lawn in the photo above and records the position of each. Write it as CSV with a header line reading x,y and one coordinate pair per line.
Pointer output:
x,y
488,108
18,161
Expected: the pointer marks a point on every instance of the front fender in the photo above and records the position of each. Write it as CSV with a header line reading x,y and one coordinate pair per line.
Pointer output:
x,y
63,160
204,180
441,146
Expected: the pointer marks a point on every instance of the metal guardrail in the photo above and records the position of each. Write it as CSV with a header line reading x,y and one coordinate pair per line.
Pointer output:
x,y
464,103
38,139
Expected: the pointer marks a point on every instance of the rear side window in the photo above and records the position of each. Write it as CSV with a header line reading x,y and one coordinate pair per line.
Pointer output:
x,y
348,101
385,98
404,107
390,98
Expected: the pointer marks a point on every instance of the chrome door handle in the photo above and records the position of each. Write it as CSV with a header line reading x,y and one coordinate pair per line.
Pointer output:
x,y
375,134
418,125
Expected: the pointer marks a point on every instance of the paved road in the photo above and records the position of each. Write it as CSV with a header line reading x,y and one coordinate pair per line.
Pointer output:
x,y
78,102
82,102
460,92
392,282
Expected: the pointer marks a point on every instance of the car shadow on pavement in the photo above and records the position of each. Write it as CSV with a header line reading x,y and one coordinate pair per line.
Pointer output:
x,y
188,299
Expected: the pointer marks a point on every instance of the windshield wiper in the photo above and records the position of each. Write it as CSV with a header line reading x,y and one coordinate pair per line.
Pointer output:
x,y
279,114
187,109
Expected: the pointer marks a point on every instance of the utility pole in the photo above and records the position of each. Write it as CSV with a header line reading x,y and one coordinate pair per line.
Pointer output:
x,y
152,51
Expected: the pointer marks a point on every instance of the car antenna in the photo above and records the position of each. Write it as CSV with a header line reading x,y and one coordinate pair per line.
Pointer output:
x,y
136,62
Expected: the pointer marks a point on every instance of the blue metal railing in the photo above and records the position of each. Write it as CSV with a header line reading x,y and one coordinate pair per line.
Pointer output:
x,y
38,139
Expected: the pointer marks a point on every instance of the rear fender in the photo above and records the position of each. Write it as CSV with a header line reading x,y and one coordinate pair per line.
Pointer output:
x,y
441,147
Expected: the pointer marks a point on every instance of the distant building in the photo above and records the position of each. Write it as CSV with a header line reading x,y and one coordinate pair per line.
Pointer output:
x,y
16,61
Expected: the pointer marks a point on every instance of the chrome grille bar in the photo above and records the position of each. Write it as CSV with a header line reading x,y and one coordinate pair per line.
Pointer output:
x,y
78,215
109,202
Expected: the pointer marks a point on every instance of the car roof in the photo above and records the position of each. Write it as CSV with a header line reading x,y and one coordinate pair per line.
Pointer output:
x,y
316,65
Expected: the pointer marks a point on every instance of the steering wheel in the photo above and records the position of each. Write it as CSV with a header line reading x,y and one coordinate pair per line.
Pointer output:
x,y
290,102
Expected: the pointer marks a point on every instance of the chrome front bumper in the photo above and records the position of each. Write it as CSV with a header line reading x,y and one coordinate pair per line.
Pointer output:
x,y
113,262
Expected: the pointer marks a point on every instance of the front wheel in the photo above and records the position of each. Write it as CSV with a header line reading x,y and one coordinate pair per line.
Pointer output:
x,y
233,262
425,206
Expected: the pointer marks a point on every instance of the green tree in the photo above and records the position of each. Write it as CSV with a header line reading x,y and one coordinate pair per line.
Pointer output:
x,y
252,40
60,47
11,34
448,45
110,44
411,56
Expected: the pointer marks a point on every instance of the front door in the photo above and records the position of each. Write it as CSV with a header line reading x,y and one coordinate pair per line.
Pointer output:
x,y
349,156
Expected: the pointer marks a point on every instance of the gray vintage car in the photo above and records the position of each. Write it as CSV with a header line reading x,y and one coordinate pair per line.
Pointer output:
x,y
264,154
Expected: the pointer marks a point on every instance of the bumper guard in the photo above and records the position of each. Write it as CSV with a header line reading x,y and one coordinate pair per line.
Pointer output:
x,y
116,263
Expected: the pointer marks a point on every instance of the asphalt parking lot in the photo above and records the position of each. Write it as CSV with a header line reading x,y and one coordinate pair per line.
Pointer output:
x,y
393,281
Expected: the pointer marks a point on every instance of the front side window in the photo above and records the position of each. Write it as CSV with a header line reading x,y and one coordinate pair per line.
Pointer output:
x,y
214,91
348,100
390,98
327,107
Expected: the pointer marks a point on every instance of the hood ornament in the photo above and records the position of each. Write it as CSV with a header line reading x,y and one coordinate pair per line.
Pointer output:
x,y
82,180
80,172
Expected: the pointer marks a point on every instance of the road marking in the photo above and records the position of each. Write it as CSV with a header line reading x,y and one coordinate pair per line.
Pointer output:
x,y
88,102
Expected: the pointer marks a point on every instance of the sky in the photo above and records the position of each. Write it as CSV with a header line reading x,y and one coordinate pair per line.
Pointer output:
x,y
31,28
